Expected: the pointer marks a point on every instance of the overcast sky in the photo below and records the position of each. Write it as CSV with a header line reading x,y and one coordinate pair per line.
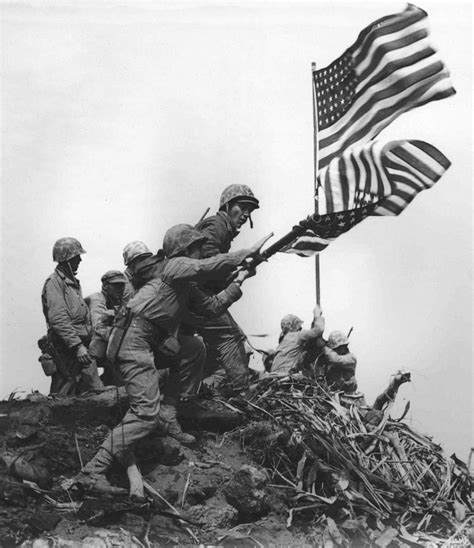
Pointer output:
x,y
121,119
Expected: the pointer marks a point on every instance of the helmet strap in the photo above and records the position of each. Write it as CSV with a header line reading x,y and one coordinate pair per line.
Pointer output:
x,y
73,278
250,220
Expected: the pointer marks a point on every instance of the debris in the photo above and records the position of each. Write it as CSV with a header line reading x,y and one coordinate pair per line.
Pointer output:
x,y
346,462
246,492
21,469
44,521
155,493
212,517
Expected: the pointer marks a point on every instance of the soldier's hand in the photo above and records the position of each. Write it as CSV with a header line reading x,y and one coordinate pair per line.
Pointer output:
x,y
82,356
243,274
255,249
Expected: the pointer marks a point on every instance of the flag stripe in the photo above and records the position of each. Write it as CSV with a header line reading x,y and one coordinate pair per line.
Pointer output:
x,y
397,91
389,24
381,50
375,122
389,70
388,178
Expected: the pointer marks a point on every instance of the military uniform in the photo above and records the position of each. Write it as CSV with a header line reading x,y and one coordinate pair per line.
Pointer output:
x,y
69,326
338,368
157,310
291,351
225,340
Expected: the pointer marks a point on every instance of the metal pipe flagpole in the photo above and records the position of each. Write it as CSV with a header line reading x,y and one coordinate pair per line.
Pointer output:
x,y
316,188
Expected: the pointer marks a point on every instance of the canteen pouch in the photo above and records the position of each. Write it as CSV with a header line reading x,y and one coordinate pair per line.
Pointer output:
x,y
121,325
48,365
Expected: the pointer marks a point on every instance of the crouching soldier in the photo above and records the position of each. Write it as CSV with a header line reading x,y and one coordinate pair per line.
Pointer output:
x,y
69,323
150,322
225,340
103,307
337,364
295,342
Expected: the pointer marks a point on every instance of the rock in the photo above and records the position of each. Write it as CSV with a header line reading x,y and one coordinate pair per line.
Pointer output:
x,y
213,517
44,521
199,493
12,492
158,450
133,523
210,415
21,469
246,492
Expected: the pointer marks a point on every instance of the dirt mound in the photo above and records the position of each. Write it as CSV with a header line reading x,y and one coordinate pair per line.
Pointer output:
x,y
297,465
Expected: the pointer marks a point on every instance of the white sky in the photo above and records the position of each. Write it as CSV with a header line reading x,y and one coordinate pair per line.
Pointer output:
x,y
121,119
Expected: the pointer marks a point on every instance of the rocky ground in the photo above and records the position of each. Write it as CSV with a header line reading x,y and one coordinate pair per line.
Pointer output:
x,y
43,441
287,468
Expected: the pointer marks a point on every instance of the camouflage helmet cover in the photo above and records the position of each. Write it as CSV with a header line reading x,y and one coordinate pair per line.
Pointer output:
x,y
241,193
133,250
290,322
65,249
179,237
337,339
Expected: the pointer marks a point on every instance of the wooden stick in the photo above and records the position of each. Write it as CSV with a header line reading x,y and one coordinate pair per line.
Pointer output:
x,y
154,492
78,449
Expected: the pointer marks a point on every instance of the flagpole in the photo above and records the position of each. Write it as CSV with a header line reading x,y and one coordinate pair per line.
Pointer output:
x,y
316,189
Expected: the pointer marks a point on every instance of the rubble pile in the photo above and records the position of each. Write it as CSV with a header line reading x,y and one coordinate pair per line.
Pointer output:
x,y
293,464
364,475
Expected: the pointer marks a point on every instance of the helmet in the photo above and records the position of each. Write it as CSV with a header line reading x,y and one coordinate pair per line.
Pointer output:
x,y
133,250
179,237
241,193
114,277
290,322
66,248
336,339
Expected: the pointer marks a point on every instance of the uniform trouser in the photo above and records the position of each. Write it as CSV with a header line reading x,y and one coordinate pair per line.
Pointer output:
x,y
136,363
225,342
98,351
70,377
184,378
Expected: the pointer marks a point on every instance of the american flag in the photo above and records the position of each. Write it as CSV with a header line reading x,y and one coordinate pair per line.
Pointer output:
x,y
368,179
390,69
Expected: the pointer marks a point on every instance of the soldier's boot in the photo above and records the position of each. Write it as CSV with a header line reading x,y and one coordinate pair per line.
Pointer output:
x,y
169,415
92,478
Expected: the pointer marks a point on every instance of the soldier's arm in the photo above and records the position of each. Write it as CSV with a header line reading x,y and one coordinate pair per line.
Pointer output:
x,y
184,269
212,305
58,315
181,269
317,329
99,312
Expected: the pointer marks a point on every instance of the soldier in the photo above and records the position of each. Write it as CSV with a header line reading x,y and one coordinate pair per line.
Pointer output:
x,y
295,342
225,340
133,254
151,321
69,323
103,307
337,364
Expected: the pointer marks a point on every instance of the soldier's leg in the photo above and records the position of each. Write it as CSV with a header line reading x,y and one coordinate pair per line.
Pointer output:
x,y
136,363
90,377
183,383
224,336
64,381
